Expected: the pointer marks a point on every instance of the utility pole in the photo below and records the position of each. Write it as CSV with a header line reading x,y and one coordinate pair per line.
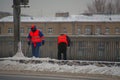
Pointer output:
x,y
16,14
16,17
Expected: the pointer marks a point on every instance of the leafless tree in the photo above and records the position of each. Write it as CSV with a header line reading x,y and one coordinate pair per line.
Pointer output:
x,y
97,6
117,7
104,7
110,8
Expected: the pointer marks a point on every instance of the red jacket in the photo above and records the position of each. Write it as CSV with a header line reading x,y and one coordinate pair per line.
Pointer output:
x,y
35,37
62,39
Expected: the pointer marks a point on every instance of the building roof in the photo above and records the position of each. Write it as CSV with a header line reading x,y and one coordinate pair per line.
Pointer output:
x,y
73,18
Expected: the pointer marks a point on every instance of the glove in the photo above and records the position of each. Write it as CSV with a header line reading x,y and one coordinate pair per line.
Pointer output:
x,y
29,42
68,45
43,42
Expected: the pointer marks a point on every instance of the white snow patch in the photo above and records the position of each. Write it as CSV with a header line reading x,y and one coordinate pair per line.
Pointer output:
x,y
19,52
46,66
72,18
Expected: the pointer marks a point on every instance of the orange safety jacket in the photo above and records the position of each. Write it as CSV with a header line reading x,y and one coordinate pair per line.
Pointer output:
x,y
35,37
62,38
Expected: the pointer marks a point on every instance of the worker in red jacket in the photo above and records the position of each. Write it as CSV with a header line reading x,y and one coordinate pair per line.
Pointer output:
x,y
36,39
63,42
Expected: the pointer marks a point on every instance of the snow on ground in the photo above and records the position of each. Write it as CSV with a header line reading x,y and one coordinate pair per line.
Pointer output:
x,y
8,64
12,63
19,52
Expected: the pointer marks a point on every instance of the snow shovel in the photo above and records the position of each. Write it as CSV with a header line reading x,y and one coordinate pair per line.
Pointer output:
x,y
27,52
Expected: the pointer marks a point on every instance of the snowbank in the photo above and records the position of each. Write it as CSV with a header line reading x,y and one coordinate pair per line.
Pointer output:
x,y
19,52
8,64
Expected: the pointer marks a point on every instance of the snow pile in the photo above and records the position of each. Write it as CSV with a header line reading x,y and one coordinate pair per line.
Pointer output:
x,y
19,52
46,66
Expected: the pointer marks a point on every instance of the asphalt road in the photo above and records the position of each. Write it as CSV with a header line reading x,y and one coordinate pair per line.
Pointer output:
x,y
26,77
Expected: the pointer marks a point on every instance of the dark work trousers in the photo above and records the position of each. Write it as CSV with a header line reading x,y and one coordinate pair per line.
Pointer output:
x,y
35,51
62,48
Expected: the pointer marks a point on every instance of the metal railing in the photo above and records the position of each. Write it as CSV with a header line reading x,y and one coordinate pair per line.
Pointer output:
x,y
82,48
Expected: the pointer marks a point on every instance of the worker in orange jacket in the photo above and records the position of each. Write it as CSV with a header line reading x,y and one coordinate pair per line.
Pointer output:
x,y
36,39
63,42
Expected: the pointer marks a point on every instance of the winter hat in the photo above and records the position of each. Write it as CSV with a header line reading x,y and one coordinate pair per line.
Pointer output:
x,y
33,27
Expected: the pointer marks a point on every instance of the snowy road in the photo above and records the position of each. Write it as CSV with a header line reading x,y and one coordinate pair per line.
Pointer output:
x,y
23,77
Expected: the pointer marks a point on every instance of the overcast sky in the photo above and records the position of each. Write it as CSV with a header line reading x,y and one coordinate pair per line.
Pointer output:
x,y
48,7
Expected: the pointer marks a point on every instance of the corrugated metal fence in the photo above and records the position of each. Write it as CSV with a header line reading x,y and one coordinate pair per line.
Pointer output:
x,y
82,48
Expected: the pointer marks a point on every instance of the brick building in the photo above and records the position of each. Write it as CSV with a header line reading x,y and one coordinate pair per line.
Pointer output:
x,y
72,25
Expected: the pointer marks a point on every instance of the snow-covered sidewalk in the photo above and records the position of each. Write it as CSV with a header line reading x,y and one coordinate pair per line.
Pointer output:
x,y
44,64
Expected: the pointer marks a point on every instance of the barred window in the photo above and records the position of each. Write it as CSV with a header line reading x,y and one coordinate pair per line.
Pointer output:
x,y
21,30
117,30
98,31
107,30
10,30
50,30
64,30
88,30
79,31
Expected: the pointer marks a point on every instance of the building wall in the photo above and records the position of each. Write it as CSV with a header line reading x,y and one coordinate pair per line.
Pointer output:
x,y
70,28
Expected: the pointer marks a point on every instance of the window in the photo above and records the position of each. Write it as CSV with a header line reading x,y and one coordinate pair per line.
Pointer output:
x,y
50,30
87,30
79,31
117,30
64,30
98,31
21,30
107,30
10,30
28,30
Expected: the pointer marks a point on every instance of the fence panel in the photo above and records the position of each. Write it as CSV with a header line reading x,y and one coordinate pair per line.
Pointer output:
x,y
82,48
